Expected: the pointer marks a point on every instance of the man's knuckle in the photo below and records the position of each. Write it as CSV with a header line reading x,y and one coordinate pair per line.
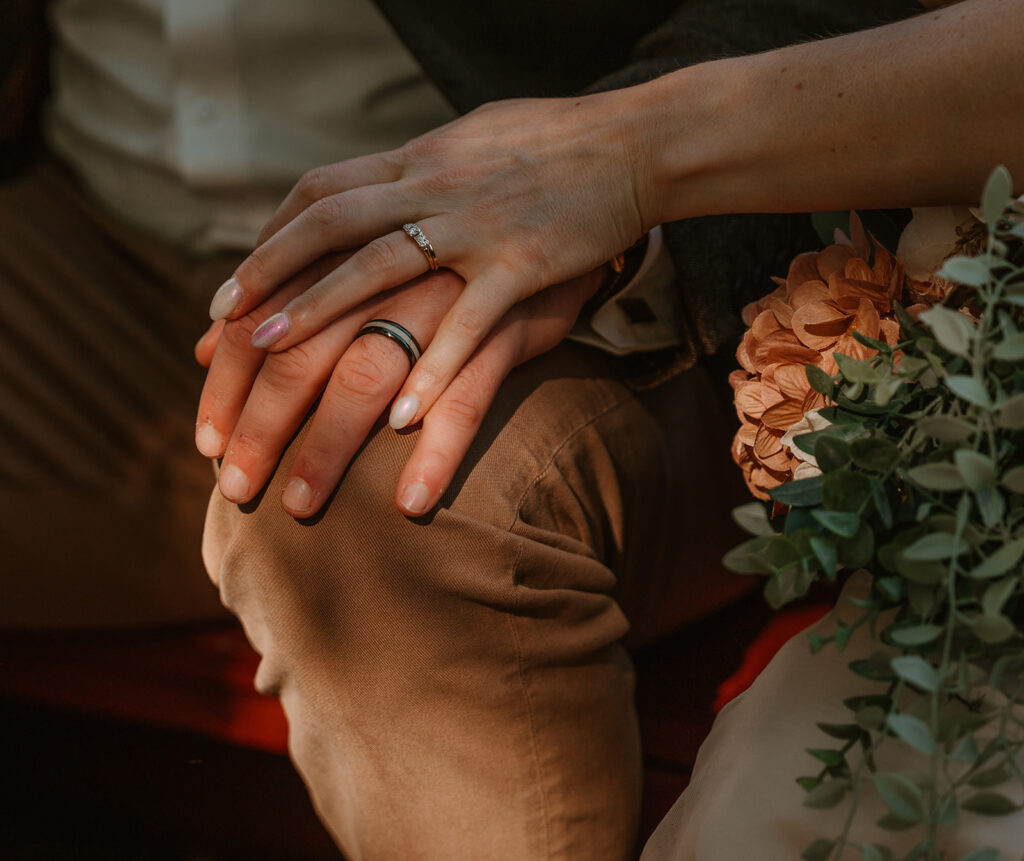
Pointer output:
x,y
288,369
360,376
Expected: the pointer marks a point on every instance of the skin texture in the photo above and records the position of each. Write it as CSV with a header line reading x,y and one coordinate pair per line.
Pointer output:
x,y
253,402
522,194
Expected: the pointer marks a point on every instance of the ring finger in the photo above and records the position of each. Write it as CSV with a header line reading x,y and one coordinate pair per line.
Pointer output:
x,y
384,263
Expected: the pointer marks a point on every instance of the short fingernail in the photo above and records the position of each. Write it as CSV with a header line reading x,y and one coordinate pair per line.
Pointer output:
x,y
234,483
297,496
273,329
416,498
225,299
402,411
209,440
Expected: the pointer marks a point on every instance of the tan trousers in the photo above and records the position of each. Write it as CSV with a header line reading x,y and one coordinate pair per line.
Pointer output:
x,y
101,490
457,685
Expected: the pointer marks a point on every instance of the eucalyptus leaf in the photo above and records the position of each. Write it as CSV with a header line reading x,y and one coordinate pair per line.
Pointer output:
x,y
901,795
914,635
842,523
925,572
935,545
965,270
1009,349
875,454
951,329
825,553
994,628
970,389
859,370
913,731
977,469
991,506
819,850
997,595
945,428
819,380
917,671
831,453
747,559
878,667
881,502
990,777
1011,412
990,804
1013,480
828,756
752,517
937,476
805,492
828,794
892,822
845,490
995,197
870,718
874,852
841,731
999,562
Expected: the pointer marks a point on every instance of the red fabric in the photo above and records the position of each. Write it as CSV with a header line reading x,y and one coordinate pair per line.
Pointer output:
x,y
198,680
782,627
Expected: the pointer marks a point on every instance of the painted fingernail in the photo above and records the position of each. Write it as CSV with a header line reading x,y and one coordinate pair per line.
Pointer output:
x,y
297,496
416,498
225,299
403,410
273,329
234,483
209,440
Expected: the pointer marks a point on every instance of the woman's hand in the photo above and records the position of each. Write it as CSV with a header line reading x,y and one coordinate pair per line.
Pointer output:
x,y
513,197
253,403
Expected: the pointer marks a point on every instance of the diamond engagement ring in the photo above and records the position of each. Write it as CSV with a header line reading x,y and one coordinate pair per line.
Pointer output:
x,y
420,238
397,333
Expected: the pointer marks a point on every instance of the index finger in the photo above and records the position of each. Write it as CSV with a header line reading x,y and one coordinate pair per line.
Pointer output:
x,y
327,180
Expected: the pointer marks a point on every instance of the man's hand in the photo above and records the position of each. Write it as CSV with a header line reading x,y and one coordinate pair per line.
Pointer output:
x,y
253,402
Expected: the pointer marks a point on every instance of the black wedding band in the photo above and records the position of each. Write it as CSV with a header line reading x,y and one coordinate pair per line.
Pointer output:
x,y
397,333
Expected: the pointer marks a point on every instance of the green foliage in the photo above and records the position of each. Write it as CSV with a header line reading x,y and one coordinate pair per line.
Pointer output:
x,y
922,484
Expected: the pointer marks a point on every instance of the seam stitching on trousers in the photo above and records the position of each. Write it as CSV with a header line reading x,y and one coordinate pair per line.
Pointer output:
x,y
524,685
535,741
543,471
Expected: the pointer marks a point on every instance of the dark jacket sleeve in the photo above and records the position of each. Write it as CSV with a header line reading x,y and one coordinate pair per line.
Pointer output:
x,y
23,80
724,261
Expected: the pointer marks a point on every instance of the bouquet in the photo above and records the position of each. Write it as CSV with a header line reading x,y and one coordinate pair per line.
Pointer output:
x,y
882,428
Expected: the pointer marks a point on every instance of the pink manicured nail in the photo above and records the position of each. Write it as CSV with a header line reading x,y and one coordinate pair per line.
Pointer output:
x,y
273,329
402,411
225,299
297,496
416,498
234,483
209,440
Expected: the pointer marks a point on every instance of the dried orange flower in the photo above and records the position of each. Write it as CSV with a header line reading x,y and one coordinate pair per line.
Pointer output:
x,y
826,295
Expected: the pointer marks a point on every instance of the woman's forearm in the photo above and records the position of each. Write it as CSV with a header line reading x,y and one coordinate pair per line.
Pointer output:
x,y
913,113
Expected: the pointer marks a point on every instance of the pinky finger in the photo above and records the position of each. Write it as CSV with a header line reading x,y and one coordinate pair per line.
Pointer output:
x,y
450,427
